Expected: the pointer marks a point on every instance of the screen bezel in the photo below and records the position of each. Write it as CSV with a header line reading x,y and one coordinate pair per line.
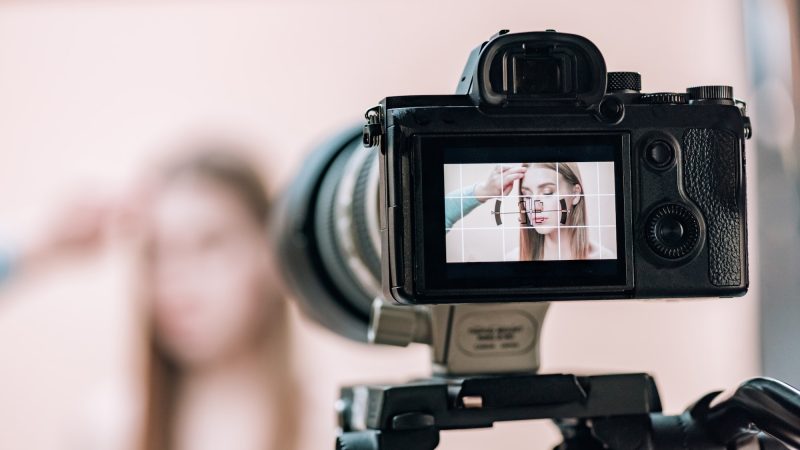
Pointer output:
x,y
435,277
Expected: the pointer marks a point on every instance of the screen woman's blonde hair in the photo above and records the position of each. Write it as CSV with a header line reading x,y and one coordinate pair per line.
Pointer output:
x,y
531,243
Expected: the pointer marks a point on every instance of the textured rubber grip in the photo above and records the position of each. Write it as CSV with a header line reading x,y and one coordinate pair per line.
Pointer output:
x,y
711,178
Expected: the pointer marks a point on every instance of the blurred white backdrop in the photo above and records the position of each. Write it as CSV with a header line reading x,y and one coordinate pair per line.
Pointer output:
x,y
92,92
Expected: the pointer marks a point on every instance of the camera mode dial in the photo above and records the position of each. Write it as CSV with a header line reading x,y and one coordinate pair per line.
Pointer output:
x,y
672,231
623,81
711,94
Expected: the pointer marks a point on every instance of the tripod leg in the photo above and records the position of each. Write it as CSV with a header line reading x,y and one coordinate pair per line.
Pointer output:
x,y
358,440
422,439
577,435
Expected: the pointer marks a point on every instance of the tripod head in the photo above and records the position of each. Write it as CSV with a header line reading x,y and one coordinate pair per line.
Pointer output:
x,y
602,412
465,339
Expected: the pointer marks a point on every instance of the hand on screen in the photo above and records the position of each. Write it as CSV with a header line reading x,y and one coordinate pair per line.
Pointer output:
x,y
500,181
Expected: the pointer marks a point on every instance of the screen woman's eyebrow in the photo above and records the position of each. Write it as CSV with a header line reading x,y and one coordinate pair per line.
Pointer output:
x,y
545,184
527,190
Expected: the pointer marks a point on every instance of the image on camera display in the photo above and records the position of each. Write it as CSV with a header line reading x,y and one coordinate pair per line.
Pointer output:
x,y
534,211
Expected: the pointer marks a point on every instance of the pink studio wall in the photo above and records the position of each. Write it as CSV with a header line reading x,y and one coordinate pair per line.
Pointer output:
x,y
92,92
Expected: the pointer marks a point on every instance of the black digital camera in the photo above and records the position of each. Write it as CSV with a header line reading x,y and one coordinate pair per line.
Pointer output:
x,y
546,178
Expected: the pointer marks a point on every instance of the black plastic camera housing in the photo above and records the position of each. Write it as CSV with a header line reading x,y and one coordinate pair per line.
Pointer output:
x,y
679,165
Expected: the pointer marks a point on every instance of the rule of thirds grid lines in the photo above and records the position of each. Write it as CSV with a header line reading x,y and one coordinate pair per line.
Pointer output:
x,y
592,209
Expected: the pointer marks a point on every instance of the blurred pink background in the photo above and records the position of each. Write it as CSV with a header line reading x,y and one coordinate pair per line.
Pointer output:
x,y
91,93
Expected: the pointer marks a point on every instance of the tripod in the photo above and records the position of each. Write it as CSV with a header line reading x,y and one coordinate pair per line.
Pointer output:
x,y
592,412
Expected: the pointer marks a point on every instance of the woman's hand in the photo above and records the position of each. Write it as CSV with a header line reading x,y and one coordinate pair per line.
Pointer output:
x,y
501,179
76,227
83,225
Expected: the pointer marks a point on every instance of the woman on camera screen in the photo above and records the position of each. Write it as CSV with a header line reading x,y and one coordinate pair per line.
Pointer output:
x,y
540,211
552,201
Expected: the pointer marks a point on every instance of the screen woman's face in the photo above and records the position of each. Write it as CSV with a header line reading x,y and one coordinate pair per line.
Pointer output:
x,y
548,187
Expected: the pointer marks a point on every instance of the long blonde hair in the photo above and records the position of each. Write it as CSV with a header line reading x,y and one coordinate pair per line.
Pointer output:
x,y
531,243
162,373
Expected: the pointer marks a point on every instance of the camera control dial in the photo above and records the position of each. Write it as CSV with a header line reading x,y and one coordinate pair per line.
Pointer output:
x,y
623,81
672,231
711,94
663,98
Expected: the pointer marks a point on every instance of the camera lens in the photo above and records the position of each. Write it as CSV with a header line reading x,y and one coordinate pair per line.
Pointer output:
x,y
328,234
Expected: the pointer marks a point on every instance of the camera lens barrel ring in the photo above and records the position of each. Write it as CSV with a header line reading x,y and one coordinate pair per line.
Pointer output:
x,y
332,249
365,214
349,211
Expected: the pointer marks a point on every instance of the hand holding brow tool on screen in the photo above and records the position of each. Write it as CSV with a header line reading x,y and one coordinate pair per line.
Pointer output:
x,y
363,232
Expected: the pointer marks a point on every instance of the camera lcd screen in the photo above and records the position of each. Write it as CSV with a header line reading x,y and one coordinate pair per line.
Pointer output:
x,y
531,213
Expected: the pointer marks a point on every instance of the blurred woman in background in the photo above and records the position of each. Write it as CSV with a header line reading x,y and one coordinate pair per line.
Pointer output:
x,y
220,372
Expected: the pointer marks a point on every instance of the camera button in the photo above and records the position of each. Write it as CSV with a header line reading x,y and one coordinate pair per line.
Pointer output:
x,y
611,109
670,231
659,154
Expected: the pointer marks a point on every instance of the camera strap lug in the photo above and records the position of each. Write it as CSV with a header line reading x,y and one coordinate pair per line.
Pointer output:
x,y
748,127
373,130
